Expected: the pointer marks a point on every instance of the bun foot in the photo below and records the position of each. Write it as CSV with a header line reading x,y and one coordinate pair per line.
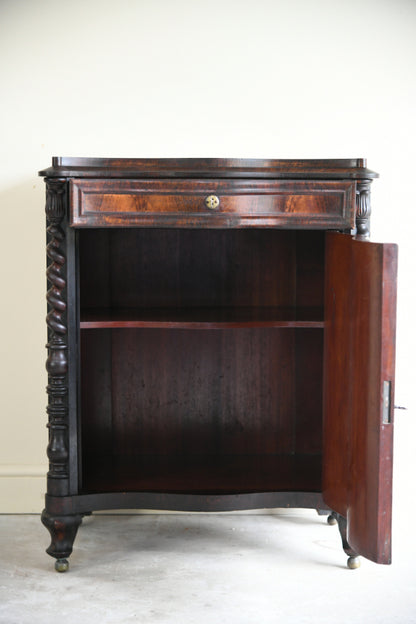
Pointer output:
x,y
331,519
353,563
61,565
63,530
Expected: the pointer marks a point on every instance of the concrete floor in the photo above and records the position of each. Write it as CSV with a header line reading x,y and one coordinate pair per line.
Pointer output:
x,y
283,566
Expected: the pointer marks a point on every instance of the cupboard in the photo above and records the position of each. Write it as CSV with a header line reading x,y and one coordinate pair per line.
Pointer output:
x,y
220,337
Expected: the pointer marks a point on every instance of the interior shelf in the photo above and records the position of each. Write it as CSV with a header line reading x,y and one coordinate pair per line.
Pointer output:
x,y
203,473
202,317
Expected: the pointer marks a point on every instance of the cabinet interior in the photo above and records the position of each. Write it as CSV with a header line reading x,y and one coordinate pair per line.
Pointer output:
x,y
201,360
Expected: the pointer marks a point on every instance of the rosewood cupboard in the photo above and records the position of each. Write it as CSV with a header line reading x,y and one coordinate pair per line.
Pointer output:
x,y
220,336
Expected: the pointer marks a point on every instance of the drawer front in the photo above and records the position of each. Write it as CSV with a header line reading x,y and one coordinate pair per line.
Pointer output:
x,y
217,203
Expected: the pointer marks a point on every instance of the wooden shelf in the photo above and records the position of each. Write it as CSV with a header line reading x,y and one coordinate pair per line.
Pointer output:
x,y
201,318
211,474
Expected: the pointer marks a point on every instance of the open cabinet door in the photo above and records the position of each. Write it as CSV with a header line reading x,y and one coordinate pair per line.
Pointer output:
x,y
359,352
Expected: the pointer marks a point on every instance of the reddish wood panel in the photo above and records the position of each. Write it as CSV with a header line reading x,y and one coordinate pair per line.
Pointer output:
x,y
175,391
242,203
359,358
337,375
310,268
202,318
178,269
204,474
182,394
96,392
309,371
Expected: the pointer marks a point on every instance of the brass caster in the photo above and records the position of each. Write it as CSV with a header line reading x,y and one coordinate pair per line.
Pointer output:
x,y
331,519
61,565
353,563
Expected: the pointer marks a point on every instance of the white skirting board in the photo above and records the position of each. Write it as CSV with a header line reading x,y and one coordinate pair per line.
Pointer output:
x,y
22,488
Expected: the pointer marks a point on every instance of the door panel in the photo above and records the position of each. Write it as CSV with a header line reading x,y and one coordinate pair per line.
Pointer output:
x,y
360,307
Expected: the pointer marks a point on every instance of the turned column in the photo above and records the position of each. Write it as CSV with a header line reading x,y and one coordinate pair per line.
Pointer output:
x,y
57,360
62,528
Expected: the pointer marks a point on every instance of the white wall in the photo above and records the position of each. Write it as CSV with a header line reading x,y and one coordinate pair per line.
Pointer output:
x,y
140,78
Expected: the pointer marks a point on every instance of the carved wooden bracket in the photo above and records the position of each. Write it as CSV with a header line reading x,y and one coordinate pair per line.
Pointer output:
x,y
363,209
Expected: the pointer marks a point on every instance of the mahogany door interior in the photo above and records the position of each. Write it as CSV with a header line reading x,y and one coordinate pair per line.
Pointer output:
x,y
360,306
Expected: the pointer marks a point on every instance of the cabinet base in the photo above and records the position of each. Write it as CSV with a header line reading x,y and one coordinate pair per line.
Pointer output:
x,y
63,515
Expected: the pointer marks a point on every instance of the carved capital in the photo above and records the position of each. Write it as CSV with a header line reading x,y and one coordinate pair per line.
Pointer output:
x,y
363,208
55,199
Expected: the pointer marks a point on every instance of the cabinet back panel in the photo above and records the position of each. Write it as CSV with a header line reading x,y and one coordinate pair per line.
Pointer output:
x,y
308,375
178,268
209,392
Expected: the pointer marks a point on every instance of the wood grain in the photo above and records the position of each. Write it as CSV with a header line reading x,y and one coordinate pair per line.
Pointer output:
x,y
242,203
201,394
349,168
179,269
202,318
359,357
219,358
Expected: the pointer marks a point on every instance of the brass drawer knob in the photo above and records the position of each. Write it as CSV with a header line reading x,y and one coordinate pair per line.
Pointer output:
x,y
212,202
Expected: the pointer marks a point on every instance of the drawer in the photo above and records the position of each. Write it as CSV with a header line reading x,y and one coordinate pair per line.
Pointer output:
x,y
212,203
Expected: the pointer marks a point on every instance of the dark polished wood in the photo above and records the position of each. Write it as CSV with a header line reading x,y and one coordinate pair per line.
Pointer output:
x,y
84,503
240,203
201,318
363,208
326,169
172,165
250,411
353,558
57,361
202,473
63,530
210,269
360,310
195,307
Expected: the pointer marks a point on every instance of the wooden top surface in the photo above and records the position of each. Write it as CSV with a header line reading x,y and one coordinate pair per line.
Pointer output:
x,y
336,169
